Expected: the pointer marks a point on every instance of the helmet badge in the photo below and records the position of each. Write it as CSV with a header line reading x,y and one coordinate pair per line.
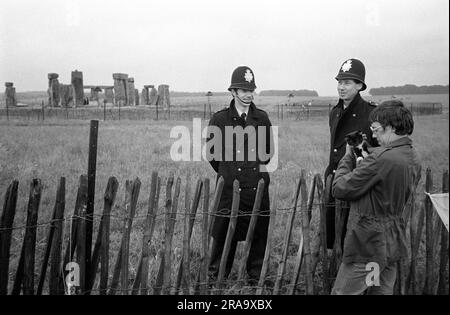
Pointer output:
x,y
347,65
248,76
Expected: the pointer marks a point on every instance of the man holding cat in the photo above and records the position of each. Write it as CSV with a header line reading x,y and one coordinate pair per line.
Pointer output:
x,y
350,114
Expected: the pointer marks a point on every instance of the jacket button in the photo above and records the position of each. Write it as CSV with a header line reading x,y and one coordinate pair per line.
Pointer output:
x,y
254,168
354,115
239,169
240,189
254,188
335,150
238,151
253,150
334,171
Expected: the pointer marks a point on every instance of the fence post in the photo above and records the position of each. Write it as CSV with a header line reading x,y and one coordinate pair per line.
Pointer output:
x,y
55,280
92,164
184,268
29,242
55,224
204,251
43,111
442,287
428,234
148,232
287,238
131,199
101,248
6,223
230,234
265,264
167,205
212,213
171,213
323,233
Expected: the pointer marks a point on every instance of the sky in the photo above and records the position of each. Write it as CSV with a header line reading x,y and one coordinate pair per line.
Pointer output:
x,y
195,45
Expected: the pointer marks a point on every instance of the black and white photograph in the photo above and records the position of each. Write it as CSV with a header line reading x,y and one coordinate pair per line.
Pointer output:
x,y
224,155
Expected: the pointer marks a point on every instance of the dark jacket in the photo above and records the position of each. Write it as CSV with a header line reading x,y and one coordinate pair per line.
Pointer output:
x,y
246,171
378,190
355,117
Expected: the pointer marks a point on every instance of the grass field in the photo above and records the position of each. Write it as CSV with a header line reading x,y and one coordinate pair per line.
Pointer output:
x,y
129,149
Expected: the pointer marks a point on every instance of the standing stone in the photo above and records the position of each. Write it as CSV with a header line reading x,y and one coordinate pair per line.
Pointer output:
x,y
10,94
163,96
153,95
144,96
120,88
66,95
77,83
53,90
109,94
136,96
131,93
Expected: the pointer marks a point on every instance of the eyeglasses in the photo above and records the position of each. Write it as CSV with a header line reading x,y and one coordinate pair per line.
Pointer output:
x,y
375,129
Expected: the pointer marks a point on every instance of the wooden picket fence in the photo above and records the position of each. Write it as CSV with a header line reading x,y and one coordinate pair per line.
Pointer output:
x,y
95,278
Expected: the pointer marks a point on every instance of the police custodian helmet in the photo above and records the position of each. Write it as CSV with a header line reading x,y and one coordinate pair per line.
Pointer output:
x,y
243,78
353,69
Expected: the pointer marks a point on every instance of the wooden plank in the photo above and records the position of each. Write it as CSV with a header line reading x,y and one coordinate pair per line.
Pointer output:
x,y
314,229
192,212
251,231
81,248
30,236
50,238
80,201
323,234
230,234
171,217
6,224
287,239
428,234
92,165
103,236
148,233
131,199
306,242
265,265
443,262
168,205
212,212
56,286
203,270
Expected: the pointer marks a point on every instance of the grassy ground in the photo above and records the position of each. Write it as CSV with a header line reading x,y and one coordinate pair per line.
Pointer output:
x,y
130,149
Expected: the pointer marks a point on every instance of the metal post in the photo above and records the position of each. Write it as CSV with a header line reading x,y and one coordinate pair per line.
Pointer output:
x,y
104,110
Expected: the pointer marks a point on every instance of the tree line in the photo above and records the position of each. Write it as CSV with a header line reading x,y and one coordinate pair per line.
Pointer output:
x,y
410,89
288,93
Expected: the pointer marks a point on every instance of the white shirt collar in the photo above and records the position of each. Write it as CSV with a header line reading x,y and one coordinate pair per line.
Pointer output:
x,y
240,113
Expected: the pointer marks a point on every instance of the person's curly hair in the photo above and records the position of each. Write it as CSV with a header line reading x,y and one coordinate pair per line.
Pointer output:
x,y
393,113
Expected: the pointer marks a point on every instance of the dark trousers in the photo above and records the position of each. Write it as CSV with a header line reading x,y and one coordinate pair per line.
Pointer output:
x,y
254,262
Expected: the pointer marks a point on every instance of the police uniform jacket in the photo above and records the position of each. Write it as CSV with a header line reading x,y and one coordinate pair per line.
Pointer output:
x,y
246,171
343,121
378,189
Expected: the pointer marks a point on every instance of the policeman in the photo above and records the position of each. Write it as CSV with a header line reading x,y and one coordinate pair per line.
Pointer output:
x,y
350,114
241,162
